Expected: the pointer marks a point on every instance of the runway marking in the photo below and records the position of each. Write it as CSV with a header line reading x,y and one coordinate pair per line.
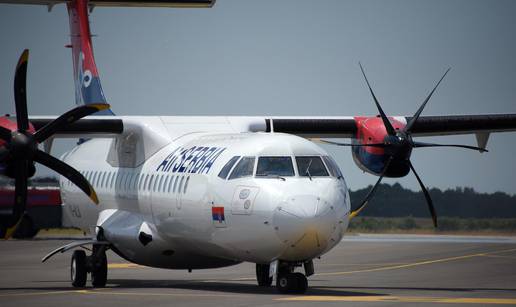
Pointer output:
x,y
159,294
36,293
403,299
107,291
124,266
409,265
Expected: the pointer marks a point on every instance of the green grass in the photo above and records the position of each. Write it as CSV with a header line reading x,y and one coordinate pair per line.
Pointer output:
x,y
423,225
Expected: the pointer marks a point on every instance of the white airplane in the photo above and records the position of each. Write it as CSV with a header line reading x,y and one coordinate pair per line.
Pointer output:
x,y
186,192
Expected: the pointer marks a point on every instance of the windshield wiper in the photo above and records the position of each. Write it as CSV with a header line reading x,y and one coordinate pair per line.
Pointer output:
x,y
308,169
272,176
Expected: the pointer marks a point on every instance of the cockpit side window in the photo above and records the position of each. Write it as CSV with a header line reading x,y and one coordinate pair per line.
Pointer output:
x,y
332,166
244,168
225,170
311,166
274,166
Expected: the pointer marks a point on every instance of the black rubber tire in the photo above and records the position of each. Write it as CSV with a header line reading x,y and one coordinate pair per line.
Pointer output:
x,y
99,272
262,275
78,270
286,283
301,283
283,283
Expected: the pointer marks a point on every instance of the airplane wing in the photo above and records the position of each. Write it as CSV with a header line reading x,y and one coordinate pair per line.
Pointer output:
x,y
142,136
304,126
346,127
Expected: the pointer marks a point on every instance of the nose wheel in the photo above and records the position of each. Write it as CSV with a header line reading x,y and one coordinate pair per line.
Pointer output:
x,y
288,283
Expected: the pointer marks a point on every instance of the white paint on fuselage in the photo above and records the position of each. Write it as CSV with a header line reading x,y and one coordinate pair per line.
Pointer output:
x,y
295,219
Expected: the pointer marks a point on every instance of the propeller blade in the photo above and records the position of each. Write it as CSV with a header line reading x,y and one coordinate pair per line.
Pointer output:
x,y
421,144
353,145
20,95
67,171
20,197
5,134
427,195
420,110
386,122
371,192
68,118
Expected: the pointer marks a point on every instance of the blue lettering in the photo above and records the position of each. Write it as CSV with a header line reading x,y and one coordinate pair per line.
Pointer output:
x,y
206,168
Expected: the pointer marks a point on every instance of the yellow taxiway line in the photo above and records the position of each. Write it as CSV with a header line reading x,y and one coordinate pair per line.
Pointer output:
x,y
419,263
402,299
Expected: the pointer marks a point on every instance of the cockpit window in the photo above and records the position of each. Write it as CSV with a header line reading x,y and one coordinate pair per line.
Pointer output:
x,y
244,168
225,170
332,166
274,166
311,166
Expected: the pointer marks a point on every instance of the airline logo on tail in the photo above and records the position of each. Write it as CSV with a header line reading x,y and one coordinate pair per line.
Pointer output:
x,y
88,89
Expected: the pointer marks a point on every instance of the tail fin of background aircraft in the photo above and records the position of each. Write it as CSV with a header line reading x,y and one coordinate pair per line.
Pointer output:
x,y
86,77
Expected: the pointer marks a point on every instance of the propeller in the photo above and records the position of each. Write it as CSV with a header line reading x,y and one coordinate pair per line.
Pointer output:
x,y
398,147
20,150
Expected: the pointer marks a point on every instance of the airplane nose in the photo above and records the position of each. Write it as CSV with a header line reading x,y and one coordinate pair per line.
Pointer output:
x,y
306,224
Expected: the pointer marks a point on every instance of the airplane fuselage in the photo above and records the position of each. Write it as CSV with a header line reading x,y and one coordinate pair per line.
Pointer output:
x,y
179,209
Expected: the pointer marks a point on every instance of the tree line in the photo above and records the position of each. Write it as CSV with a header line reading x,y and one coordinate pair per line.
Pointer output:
x,y
396,201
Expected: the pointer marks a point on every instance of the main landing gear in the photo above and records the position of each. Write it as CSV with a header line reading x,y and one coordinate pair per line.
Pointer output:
x,y
96,264
287,281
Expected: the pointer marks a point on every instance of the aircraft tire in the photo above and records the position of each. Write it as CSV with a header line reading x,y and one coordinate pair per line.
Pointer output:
x,y
99,272
262,275
78,270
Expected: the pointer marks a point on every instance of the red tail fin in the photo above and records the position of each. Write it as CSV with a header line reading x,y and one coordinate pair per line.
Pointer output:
x,y
87,82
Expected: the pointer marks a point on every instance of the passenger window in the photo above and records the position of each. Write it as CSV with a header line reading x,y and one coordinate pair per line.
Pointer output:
x,y
145,182
134,181
311,166
151,180
186,184
163,187
333,167
170,184
160,185
156,181
274,166
93,179
225,170
244,168
128,181
180,185
108,179
112,183
175,184
103,178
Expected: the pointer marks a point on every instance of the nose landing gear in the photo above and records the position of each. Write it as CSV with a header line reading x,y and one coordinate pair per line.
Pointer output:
x,y
96,264
287,281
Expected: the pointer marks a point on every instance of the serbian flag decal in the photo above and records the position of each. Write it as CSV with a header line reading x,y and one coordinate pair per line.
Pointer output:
x,y
217,214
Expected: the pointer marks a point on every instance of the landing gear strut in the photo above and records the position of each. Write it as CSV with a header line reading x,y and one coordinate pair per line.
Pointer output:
x,y
96,264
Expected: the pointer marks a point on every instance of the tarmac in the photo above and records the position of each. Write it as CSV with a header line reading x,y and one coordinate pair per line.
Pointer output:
x,y
363,270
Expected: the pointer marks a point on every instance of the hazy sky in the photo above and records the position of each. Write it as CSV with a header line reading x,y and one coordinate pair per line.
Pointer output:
x,y
290,57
